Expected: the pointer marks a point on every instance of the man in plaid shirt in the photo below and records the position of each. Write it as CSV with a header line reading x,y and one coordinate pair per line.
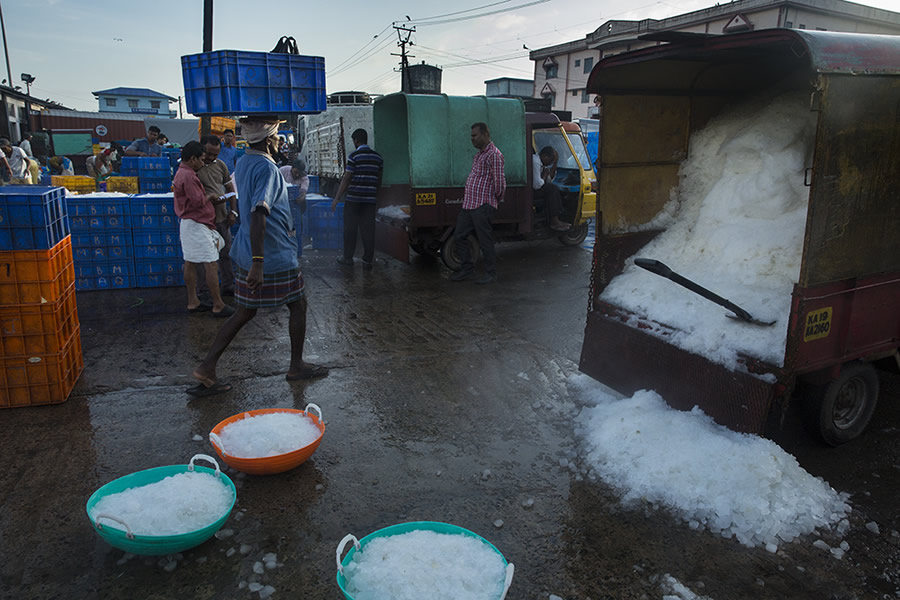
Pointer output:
x,y
484,190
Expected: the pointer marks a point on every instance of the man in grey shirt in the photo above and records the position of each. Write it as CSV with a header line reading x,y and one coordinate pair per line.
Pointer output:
x,y
146,146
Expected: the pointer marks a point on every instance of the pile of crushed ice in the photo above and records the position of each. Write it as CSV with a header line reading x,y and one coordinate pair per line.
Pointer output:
x,y
735,226
172,506
426,564
735,484
270,434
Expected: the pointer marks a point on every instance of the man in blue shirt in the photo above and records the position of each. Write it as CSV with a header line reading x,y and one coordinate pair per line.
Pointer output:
x,y
146,146
361,181
264,254
228,153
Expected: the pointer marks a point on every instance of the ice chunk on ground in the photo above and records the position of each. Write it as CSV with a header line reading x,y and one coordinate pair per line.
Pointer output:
x,y
258,568
255,587
266,592
739,485
425,564
873,527
675,590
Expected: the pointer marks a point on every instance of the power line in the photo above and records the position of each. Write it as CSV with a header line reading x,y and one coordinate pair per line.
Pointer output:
x,y
459,12
349,58
484,14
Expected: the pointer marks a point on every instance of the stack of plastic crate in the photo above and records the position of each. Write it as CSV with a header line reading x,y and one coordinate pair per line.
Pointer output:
x,y
158,260
40,342
173,155
129,167
155,174
101,241
326,228
77,184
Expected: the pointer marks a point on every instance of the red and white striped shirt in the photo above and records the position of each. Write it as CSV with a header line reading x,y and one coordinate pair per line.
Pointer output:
x,y
486,183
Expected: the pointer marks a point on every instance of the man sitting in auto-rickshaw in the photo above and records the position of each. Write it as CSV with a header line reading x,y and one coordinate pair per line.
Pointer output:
x,y
544,165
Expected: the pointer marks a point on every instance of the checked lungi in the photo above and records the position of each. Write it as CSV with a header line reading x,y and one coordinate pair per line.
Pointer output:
x,y
277,289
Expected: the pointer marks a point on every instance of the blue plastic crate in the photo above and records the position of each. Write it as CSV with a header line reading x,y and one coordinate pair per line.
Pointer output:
x,y
156,173
151,163
102,252
101,238
86,225
128,171
293,192
92,205
227,82
160,280
150,185
104,267
131,162
160,266
153,251
153,204
26,205
150,237
85,284
313,184
327,240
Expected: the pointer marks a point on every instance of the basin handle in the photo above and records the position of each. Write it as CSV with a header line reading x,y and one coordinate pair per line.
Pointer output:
x,y
340,550
216,441
317,409
129,534
510,570
205,457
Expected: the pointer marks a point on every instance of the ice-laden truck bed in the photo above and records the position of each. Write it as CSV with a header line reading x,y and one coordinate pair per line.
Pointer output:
x,y
776,189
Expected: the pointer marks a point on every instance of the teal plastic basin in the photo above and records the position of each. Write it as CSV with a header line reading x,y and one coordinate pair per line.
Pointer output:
x,y
152,545
435,526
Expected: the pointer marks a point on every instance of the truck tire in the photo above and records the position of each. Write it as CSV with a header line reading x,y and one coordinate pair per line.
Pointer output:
x,y
449,256
574,236
846,404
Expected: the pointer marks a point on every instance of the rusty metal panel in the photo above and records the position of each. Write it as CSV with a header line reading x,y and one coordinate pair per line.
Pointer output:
x,y
628,359
853,224
644,129
116,129
633,195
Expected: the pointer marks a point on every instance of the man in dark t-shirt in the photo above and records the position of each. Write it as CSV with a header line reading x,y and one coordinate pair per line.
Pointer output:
x,y
361,181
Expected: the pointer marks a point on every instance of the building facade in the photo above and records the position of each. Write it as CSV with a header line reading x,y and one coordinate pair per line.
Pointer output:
x,y
561,72
138,101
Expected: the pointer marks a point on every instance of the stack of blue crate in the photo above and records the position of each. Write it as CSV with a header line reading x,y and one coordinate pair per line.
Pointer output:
x,y
101,241
155,174
129,166
313,184
174,157
32,217
326,228
158,260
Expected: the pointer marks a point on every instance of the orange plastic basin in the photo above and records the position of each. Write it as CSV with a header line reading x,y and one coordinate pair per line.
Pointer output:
x,y
270,464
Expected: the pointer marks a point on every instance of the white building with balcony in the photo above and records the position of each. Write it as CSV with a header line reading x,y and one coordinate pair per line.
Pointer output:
x,y
138,101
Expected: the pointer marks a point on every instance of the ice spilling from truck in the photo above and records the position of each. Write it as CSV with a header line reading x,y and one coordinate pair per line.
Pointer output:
x,y
735,225
734,484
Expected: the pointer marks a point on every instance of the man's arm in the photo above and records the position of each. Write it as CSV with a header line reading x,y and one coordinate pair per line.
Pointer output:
x,y
132,150
499,178
342,189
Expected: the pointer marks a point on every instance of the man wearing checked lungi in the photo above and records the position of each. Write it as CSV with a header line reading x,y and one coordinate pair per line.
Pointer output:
x,y
264,254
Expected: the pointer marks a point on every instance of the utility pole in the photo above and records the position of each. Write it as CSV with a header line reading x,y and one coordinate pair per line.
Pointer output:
x,y
9,78
207,47
405,82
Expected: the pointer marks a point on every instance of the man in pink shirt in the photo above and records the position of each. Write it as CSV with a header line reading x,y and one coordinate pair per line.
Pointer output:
x,y
200,242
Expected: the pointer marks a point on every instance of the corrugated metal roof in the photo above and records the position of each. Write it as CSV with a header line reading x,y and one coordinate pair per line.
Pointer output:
x,y
139,92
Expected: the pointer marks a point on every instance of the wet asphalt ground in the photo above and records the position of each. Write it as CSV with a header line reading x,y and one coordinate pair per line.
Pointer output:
x,y
446,402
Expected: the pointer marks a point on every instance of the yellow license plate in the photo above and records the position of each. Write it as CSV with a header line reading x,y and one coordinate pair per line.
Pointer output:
x,y
427,199
818,324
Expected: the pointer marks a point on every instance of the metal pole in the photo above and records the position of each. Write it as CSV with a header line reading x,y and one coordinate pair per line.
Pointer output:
x,y
5,49
205,124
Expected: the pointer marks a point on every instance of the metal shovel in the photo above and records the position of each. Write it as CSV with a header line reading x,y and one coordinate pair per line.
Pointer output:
x,y
654,266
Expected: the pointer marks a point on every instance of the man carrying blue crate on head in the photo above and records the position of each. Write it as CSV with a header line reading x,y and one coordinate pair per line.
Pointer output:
x,y
264,254
146,146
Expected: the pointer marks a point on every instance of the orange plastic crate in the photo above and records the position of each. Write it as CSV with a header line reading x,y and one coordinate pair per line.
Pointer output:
x,y
36,276
125,185
41,379
29,329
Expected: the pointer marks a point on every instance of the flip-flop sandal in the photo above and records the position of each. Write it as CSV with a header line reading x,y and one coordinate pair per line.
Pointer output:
x,y
200,308
313,372
201,391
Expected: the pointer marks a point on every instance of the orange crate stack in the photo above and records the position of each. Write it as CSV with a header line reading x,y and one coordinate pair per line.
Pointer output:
x,y
40,340
125,185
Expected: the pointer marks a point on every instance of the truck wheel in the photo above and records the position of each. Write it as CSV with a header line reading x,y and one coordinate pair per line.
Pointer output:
x,y
846,403
574,236
451,258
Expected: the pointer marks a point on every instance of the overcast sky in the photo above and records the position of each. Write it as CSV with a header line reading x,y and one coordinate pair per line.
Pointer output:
x,y
75,47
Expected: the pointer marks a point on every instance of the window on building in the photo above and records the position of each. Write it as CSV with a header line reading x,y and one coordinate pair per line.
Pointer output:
x,y
133,103
788,24
578,63
802,26
552,71
110,101
574,93
588,64
552,97
585,97
154,104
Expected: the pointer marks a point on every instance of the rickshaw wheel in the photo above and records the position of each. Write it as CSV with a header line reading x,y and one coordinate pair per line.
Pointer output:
x,y
846,404
451,258
574,236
